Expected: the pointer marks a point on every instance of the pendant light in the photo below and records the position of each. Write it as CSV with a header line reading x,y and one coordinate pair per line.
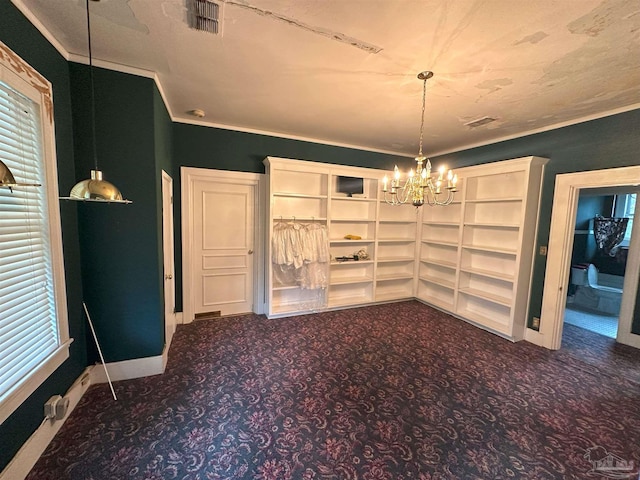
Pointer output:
x,y
7,180
94,189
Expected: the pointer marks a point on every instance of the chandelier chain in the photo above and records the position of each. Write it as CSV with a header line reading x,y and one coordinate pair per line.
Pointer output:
x,y
424,96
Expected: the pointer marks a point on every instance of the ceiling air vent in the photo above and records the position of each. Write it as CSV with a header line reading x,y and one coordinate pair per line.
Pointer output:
x,y
480,122
204,15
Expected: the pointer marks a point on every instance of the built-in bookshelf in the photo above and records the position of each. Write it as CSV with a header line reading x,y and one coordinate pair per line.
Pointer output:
x,y
471,258
476,255
372,249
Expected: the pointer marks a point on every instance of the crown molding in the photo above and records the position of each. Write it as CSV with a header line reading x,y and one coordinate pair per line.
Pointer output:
x,y
19,4
554,126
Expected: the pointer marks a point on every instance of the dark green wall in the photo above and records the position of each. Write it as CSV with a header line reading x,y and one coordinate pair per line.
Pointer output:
x,y
22,37
119,243
204,147
598,144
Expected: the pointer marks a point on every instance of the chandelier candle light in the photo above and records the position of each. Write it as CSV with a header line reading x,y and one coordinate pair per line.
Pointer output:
x,y
421,187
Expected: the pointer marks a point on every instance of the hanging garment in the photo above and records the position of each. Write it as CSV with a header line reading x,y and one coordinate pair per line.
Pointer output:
x,y
300,255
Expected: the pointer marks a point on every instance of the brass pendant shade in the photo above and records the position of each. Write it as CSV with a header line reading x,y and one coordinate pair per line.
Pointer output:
x,y
97,189
7,179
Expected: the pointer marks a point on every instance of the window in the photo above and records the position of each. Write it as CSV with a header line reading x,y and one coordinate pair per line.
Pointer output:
x,y
34,336
625,206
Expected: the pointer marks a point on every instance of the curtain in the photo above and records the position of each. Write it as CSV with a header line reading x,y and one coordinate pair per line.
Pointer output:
x,y
609,233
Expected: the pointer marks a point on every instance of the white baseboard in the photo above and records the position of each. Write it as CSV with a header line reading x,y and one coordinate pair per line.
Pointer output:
x,y
28,455
179,318
128,369
136,368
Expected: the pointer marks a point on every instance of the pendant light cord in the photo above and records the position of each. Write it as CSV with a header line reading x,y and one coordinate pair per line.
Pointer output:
x,y
93,101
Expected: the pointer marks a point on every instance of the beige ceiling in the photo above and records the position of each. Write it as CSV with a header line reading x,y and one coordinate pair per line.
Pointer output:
x,y
344,71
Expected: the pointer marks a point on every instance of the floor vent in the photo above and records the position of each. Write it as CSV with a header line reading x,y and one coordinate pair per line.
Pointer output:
x,y
207,315
204,15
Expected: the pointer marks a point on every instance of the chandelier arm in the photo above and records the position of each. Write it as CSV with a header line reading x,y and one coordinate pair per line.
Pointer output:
x,y
393,200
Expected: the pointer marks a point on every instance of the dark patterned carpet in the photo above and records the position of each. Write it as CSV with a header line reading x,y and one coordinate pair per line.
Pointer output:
x,y
397,391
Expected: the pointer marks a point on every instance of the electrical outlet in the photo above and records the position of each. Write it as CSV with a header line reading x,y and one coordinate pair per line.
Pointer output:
x,y
535,323
56,407
543,250
50,407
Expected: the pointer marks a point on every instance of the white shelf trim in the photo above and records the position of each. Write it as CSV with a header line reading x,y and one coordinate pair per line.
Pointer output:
x,y
489,274
438,281
494,200
396,259
506,302
490,249
440,263
298,195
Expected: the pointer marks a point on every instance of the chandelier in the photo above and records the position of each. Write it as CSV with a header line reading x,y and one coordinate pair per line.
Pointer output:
x,y
420,187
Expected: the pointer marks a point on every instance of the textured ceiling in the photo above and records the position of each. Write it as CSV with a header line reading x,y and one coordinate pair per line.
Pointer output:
x,y
344,71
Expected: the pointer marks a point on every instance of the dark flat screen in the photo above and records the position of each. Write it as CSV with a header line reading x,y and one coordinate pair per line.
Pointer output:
x,y
350,185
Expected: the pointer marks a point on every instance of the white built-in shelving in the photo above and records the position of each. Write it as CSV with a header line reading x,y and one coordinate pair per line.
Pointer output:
x,y
308,192
476,257
472,258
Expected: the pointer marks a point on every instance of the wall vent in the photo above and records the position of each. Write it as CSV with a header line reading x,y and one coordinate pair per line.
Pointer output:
x,y
204,15
480,122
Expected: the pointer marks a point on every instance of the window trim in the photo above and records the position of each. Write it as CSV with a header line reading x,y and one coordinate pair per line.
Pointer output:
x,y
621,209
16,73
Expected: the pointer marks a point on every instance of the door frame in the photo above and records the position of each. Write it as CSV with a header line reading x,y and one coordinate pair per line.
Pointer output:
x,y
563,220
167,227
189,175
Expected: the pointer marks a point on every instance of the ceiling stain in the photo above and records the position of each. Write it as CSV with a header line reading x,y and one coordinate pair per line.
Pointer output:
x,y
337,36
495,84
533,38
601,18
124,18
492,86
609,24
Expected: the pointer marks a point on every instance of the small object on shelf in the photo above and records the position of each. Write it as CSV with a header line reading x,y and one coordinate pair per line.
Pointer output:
x,y
347,259
353,237
359,255
362,254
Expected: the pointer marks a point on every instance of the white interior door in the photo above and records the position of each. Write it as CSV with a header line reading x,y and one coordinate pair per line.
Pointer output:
x,y
168,262
223,243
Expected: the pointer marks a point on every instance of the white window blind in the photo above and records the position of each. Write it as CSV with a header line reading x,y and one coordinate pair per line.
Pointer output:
x,y
28,325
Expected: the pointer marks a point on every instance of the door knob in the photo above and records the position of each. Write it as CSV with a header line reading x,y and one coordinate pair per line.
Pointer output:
x,y
250,252
168,276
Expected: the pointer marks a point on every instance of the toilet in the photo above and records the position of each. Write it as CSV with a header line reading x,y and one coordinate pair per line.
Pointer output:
x,y
591,294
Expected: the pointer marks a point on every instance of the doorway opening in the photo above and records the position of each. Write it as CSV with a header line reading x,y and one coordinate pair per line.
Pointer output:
x,y
568,189
602,236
